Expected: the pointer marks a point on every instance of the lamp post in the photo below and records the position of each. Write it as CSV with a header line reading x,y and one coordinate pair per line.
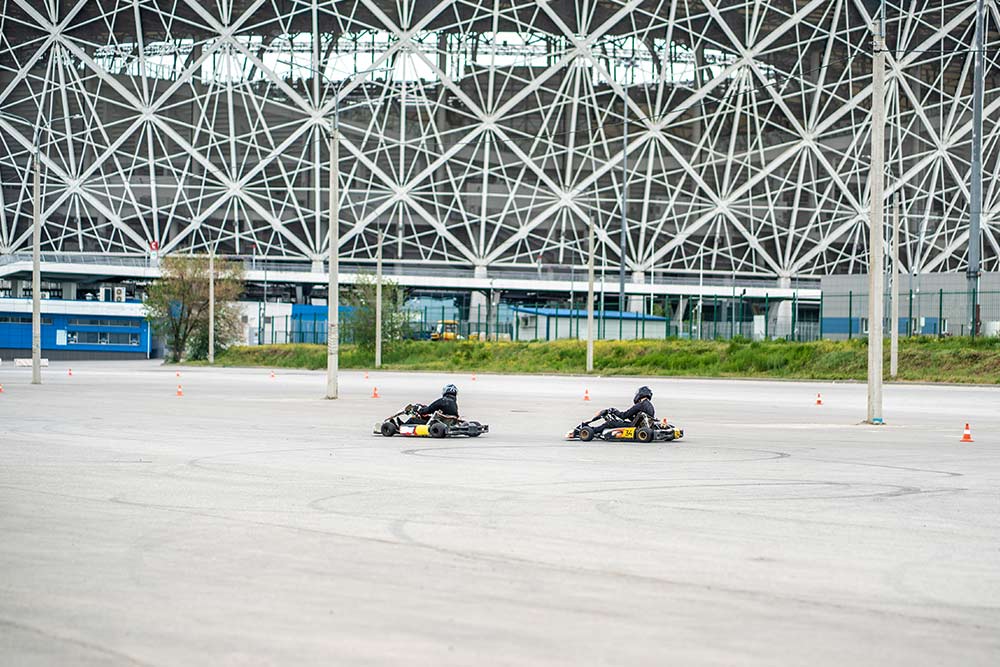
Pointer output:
x,y
211,307
976,186
333,285
876,279
36,243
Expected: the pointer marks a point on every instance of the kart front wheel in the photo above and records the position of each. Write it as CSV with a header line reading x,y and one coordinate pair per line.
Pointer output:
x,y
586,434
475,429
644,434
437,430
389,429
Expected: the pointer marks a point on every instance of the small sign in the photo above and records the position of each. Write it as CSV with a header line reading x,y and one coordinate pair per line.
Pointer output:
x,y
60,336
154,245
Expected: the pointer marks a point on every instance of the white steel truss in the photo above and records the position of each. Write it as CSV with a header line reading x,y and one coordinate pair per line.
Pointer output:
x,y
495,131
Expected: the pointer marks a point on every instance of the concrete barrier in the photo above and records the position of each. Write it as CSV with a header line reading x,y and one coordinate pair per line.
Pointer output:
x,y
21,363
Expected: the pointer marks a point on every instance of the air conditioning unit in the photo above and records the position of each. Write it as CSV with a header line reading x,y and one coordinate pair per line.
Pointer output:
x,y
120,295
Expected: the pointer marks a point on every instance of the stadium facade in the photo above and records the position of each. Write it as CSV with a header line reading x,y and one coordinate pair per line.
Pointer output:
x,y
490,135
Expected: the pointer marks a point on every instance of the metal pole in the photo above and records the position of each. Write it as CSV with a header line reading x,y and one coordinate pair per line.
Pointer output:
x,y
590,297
876,288
894,341
940,324
211,308
850,314
378,304
36,274
621,238
333,287
976,187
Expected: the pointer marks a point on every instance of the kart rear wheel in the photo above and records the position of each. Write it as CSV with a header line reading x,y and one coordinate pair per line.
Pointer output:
x,y
644,434
389,429
586,434
475,429
437,430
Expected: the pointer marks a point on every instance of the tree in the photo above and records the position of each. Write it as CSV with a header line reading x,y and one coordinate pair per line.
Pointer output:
x,y
361,325
177,303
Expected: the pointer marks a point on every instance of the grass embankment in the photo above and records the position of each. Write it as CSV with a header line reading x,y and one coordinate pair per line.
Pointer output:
x,y
922,360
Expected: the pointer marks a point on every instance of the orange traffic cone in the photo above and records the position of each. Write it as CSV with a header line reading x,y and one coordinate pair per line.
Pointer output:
x,y
177,374
180,392
819,399
1,388
366,375
71,372
967,436
375,392
586,394
272,375
473,377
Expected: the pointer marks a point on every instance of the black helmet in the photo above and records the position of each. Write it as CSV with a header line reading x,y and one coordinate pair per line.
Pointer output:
x,y
449,390
643,392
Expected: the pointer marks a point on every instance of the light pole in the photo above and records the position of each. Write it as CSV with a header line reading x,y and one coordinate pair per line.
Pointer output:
x,y
211,307
36,269
36,254
333,285
976,186
876,279
590,296
378,304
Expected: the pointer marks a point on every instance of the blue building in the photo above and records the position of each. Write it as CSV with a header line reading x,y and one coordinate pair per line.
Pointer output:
x,y
76,329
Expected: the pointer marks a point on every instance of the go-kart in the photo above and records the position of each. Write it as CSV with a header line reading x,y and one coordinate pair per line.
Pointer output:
x,y
409,422
646,429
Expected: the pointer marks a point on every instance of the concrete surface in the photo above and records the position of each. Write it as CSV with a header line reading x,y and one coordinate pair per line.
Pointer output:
x,y
250,522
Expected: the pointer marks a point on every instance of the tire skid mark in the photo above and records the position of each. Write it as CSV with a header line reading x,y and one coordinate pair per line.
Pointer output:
x,y
90,646
430,452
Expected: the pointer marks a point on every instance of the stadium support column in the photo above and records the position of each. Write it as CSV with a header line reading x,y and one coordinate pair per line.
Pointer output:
x,y
976,186
637,302
780,312
477,299
876,278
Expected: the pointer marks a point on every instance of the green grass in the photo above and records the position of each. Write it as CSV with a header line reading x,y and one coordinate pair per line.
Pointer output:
x,y
920,359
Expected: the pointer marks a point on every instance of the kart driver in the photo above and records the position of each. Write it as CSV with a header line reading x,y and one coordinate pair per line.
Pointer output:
x,y
641,403
447,404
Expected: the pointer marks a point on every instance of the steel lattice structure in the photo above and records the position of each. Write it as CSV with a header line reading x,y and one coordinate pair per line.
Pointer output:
x,y
499,132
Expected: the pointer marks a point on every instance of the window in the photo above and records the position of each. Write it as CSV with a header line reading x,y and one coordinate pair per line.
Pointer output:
x,y
92,322
21,319
101,338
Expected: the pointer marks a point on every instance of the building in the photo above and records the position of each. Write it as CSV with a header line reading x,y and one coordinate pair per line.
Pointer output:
x,y
76,330
709,144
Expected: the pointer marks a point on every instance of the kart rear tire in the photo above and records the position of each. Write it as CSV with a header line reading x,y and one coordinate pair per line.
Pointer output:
x,y
437,430
475,429
389,429
644,434
586,434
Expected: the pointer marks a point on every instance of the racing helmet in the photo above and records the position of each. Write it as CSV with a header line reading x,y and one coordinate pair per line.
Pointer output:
x,y
449,390
643,392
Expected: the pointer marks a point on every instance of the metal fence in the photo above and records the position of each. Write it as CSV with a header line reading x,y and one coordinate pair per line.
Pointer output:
x,y
834,316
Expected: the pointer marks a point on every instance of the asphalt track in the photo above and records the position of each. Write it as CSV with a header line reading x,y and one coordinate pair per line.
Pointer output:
x,y
251,522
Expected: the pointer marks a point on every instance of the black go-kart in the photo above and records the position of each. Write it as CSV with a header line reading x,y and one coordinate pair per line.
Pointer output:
x,y
409,422
646,429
